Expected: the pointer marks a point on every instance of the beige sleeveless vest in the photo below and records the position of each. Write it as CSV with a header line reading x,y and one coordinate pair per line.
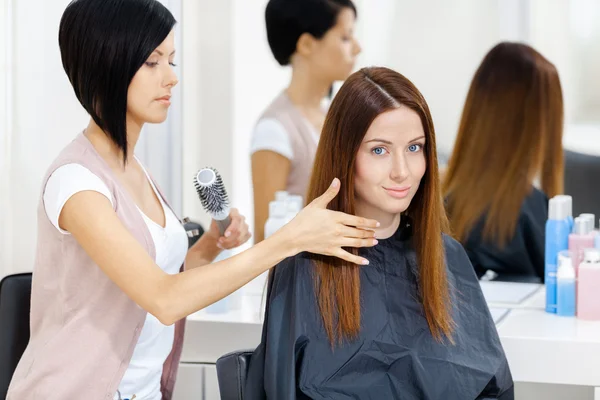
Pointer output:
x,y
83,327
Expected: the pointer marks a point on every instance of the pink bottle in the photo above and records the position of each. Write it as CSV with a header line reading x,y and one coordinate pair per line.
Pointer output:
x,y
580,239
588,301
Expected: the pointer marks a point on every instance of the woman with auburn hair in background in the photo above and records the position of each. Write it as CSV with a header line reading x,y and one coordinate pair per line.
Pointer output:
x,y
509,141
413,324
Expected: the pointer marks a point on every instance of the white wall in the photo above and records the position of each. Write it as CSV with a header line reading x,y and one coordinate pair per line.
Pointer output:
x,y
5,78
207,82
438,45
42,115
568,34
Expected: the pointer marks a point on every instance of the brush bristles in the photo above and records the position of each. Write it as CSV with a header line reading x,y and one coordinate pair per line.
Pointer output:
x,y
213,197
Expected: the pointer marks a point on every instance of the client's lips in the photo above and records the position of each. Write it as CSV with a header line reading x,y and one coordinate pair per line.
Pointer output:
x,y
398,192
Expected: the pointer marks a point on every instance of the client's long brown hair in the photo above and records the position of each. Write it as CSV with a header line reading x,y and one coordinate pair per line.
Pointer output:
x,y
365,95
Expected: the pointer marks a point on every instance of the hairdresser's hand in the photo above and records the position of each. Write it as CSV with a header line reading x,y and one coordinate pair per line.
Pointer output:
x,y
236,234
319,230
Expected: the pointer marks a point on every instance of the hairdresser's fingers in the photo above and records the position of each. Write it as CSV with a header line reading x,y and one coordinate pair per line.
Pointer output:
x,y
352,242
344,255
234,225
323,200
235,233
351,232
353,220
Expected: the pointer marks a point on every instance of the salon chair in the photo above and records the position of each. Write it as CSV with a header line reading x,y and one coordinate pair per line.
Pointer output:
x,y
15,303
232,369
582,175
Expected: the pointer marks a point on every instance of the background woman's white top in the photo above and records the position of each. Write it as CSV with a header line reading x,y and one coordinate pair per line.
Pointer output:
x,y
271,135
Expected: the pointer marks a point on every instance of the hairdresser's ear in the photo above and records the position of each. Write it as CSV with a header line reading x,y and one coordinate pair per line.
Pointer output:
x,y
306,44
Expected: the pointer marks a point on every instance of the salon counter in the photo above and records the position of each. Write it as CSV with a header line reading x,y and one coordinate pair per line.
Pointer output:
x,y
540,347
546,348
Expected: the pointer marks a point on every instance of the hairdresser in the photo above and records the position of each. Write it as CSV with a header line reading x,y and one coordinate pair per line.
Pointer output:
x,y
113,278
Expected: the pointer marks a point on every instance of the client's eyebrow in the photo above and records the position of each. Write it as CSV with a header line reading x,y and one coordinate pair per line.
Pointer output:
x,y
379,140
388,142
415,139
160,53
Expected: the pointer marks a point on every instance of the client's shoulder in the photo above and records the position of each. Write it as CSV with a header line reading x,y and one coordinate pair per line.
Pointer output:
x,y
457,259
451,245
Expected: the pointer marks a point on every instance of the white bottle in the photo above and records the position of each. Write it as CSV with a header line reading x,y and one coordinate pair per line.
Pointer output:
x,y
296,198
591,221
277,217
281,195
293,207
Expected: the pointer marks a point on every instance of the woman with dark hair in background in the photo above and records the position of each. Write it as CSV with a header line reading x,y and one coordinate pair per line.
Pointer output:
x,y
314,37
510,136
110,292
414,323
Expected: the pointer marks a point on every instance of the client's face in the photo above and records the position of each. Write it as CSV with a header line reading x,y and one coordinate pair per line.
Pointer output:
x,y
148,97
390,163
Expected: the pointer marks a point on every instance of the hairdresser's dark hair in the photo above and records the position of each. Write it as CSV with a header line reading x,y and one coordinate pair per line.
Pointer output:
x,y
287,20
103,43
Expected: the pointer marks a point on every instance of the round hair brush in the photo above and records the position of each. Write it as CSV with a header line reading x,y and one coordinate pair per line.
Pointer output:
x,y
213,196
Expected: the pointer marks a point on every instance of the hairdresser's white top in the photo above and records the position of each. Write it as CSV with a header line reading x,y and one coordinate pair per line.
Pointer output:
x,y
142,377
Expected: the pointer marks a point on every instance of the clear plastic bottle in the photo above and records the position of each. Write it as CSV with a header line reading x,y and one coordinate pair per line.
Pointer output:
x,y
565,285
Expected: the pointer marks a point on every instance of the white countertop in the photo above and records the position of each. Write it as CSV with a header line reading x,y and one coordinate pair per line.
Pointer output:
x,y
534,341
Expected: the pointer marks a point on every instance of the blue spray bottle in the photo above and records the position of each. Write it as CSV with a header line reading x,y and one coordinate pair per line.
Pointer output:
x,y
558,229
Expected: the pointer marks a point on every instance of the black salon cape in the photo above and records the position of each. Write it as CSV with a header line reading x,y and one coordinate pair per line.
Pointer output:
x,y
395,356
523,255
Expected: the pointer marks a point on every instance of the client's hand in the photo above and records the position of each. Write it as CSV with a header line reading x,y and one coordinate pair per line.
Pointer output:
x,y
236,234
319,230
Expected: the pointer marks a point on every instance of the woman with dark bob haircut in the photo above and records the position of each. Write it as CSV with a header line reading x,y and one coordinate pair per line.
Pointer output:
x,y
113,278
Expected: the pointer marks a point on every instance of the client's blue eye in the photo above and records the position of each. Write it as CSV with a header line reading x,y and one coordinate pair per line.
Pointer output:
x,y
413,148
378,151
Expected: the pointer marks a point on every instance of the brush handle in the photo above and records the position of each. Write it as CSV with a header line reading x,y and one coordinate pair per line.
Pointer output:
x,y
223,224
